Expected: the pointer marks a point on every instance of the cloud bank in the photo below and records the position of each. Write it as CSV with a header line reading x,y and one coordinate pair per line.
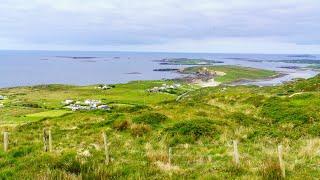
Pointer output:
x,y
287,26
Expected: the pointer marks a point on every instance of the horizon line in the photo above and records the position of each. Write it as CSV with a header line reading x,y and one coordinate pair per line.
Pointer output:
x,y
173,52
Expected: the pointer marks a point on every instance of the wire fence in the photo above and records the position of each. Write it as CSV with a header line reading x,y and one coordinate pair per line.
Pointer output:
x,y
185,155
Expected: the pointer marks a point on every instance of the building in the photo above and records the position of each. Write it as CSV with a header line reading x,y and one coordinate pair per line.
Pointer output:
x,y
68,101
2,97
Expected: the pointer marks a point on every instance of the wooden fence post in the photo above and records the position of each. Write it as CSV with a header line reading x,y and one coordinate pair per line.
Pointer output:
x,y
169,155
106,148
236,153
281,162
45,140
5,141
50,140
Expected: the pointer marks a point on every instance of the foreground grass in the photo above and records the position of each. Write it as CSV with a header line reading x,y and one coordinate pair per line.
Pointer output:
x,y
141,127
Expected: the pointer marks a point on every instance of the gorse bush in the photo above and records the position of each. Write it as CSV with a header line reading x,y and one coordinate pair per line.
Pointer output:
x,y
271,170
314,129
242,118
121,125
21,151
195,128
189,131
31,105
69,162
139,129
152,119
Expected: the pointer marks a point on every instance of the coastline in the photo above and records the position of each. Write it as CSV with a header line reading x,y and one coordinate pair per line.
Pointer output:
x,y
123,67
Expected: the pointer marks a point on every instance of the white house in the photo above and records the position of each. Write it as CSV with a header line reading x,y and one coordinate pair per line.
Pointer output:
x,y
2,97
104,107
92,102
68,101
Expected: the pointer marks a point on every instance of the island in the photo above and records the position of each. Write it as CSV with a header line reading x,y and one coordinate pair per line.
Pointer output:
x,y
187,61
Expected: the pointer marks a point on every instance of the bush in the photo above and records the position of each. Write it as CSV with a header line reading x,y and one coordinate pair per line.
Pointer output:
x,y
235,170
256,100
21,151
242,118
195,128
152,119
139,129
271,170
31,105
69,163
121,125
314,129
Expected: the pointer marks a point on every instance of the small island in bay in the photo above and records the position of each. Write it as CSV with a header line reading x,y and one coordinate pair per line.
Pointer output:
x,y
166,69
187,61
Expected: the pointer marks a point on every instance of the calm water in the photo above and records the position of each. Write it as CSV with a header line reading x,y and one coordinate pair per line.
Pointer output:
x,y
19,68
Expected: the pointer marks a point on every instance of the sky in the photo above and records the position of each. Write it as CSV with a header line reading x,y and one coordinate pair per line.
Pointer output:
x,y
228,26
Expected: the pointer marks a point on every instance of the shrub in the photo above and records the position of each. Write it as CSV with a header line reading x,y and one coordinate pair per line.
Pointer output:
x,y
31,105
7,173
139,129
69,163
235,170
314,129
256,100
242,118
21,151
121,125
195,128
152,119
271,170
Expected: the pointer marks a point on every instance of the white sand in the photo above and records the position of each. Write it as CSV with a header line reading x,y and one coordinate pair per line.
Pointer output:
x,y
210,83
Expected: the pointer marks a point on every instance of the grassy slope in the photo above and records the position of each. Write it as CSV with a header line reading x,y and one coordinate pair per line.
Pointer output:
x,y
260,118
50,114
235,73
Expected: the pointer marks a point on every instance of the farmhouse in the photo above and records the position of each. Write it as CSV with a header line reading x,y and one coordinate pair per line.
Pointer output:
x,y
68,101
2,97
91,102
104,107
75,107
103,87
164,88
86,105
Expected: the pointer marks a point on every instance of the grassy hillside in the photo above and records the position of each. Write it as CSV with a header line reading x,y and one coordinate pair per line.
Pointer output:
x,y
141,127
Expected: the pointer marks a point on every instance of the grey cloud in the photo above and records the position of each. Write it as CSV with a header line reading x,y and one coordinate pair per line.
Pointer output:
x,y
112,22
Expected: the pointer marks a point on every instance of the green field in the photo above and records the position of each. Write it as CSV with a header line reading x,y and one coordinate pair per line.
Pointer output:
x,y
49,114
141,127
235,73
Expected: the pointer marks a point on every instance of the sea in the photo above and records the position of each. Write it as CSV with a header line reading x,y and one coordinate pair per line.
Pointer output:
x,y
26,68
